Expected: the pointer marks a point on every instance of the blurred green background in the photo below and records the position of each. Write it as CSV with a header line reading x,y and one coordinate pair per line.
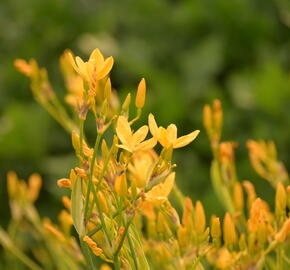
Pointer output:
x,y
189,51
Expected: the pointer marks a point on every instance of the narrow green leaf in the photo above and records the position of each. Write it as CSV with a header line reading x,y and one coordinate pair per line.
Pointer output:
x,y
77,207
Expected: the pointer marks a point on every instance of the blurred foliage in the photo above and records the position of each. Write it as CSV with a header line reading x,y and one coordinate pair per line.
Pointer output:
x,y
190,52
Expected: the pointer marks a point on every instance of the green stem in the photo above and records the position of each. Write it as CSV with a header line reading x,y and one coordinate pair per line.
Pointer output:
x,y
117,263
7,243
123,236
81,136
90,184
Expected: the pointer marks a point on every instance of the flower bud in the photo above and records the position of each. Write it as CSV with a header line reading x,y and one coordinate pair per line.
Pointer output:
x,y
207,118
76,141
229,230
108,90
217,115
199,218
141,94
215,228
34,186
12,184
121,184
126,104
280,200
250,192
215,231
238,196
66,202
187,214
103,202
284,232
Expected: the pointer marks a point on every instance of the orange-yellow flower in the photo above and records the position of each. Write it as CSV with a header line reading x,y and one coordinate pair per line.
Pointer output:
x,y
141,167
159,193
133,141
96,68
168,137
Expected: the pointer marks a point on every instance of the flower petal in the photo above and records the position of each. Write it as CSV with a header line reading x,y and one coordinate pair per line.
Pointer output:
x,y
146,145
153,126
123,130
185,140
163,189
105,68
126,147
72,60
163,138
172,133
82,68
140,135
96,57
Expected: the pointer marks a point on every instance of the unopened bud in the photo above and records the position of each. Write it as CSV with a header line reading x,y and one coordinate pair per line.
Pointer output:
x,y
187,214
121,185
284,232
250,189
183,237
229,230
34,186
76,141
108,90
12,184
25,67
217,115
199,218
66,221
280,200
238,196
126,104
215,228
207,118
66,202
141,94
103,202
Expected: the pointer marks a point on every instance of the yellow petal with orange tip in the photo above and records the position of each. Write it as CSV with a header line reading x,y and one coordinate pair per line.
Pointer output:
x,y
105,68
185,140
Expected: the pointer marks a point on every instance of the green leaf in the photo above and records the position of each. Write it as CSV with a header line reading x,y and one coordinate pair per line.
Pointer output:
x,y
77,207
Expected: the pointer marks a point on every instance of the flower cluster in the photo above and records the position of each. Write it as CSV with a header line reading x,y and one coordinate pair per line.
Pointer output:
x,y
119,203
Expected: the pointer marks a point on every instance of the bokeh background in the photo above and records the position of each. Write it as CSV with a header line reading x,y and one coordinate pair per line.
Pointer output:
x,y
190,52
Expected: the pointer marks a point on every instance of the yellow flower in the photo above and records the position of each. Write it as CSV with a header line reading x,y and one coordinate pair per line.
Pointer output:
x,y
96,68
168,137
160,192
141,167
133,141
